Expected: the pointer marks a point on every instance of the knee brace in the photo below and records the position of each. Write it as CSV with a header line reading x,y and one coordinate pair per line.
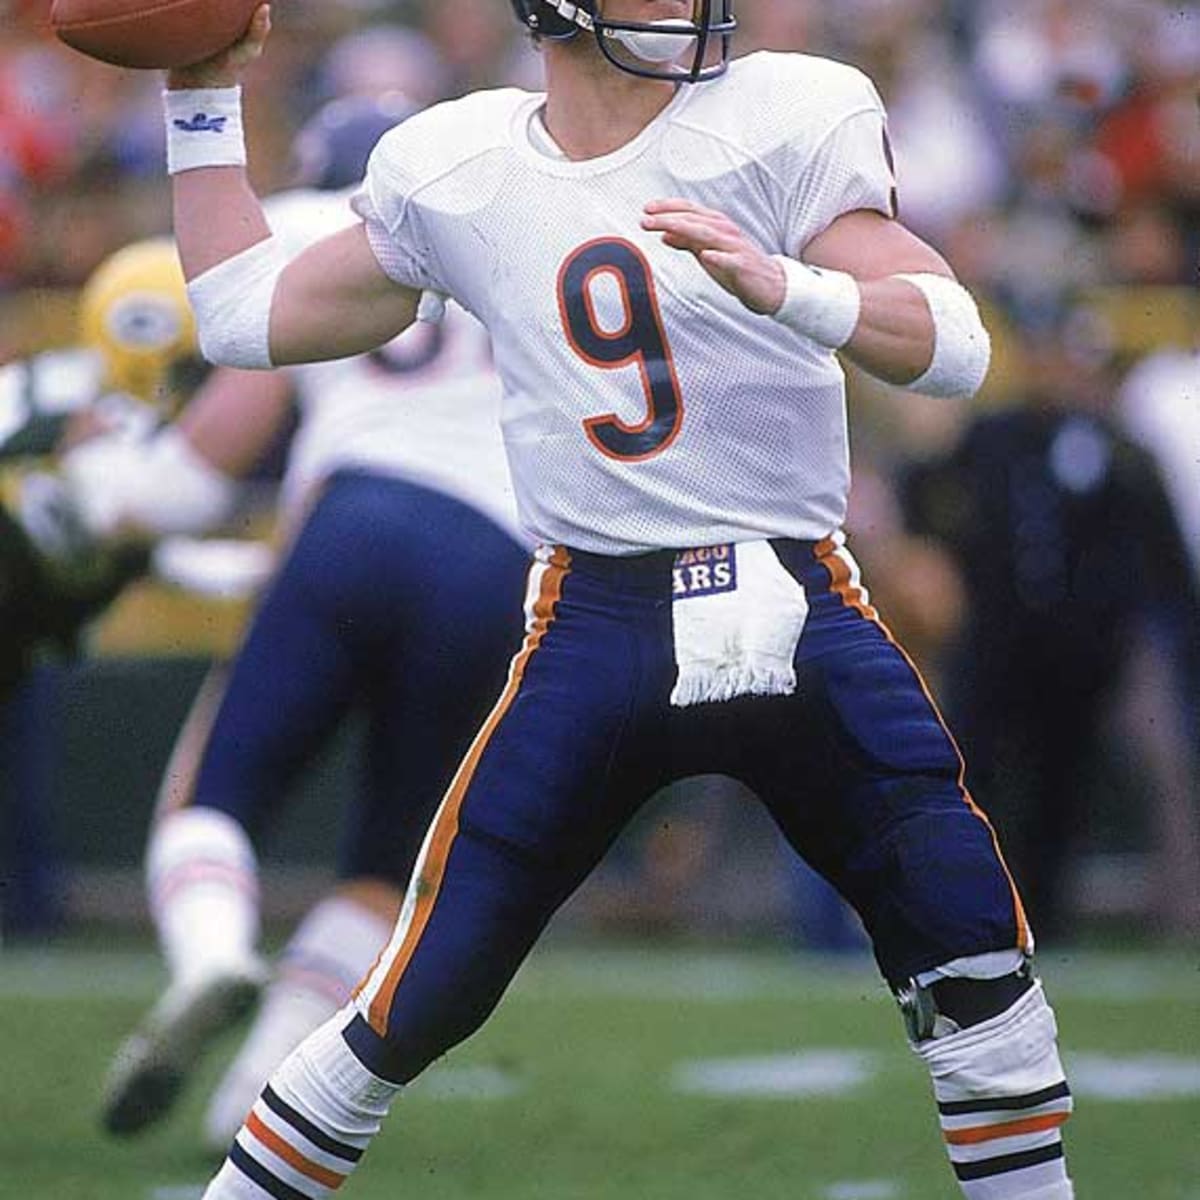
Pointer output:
x,y
1001,1092
939,1005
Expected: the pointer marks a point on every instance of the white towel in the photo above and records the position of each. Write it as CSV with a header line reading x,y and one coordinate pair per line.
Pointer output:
x,y
738,616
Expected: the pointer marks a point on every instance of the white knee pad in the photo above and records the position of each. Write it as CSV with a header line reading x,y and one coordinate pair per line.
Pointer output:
x,y
1002,1099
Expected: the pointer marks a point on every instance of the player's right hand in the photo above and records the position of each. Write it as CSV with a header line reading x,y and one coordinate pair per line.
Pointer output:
x,y
722,249
225,69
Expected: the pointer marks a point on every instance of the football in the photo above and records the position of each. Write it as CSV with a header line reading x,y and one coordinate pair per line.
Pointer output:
x,y
151,33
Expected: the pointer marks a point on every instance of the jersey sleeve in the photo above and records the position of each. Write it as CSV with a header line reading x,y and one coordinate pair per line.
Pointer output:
x,y
383,203
850,168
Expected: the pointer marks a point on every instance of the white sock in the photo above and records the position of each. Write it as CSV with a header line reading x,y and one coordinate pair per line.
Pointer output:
x,y
1002,1100
328,954
202,880
310,1127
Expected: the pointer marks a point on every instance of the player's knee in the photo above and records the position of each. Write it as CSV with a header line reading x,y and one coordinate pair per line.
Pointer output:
x,y
1002,1096
947,885
950,1004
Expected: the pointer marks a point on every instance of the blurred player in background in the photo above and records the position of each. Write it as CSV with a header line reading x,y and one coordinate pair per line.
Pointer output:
x,y
674,414
395,599
1073,563
135,357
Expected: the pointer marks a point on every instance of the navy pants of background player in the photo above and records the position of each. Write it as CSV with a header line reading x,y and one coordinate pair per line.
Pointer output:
x,y
397,602
856,768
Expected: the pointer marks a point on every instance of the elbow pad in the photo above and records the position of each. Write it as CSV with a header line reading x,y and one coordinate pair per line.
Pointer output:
x,y
962,348
232,303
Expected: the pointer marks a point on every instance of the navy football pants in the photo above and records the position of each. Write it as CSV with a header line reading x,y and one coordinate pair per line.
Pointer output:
x,y
395,602
856,768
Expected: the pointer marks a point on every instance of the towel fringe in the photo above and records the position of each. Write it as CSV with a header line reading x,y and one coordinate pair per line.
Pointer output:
x,y
711,683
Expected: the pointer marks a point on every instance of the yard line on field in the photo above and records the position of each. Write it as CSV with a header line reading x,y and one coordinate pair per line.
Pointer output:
x,y
64,972
655,973
832,1072
648,972
1118,977
1136,1077
445,1082
863,1189
732,976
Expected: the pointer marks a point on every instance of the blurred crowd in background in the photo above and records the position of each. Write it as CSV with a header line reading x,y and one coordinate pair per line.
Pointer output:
x,y
1038,551
1037,139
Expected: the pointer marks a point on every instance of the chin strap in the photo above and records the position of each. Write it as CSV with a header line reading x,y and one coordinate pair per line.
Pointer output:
x,y
573,13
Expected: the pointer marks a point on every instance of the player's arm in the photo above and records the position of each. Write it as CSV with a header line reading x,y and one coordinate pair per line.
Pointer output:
x,y
253,308
894,337
185,479
867,286
235,417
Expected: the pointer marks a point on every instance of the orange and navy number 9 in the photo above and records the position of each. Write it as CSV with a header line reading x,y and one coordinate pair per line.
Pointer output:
x,y
639,341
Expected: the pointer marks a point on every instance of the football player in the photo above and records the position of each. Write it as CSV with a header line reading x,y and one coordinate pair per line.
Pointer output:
x,y
669,250
136,350
395,601
135,338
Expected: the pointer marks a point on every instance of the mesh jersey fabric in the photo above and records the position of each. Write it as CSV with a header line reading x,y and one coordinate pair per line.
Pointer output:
x,y
425,407
754,440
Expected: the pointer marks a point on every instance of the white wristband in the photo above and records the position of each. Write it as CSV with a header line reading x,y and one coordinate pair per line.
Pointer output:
x,y
819,304
204,128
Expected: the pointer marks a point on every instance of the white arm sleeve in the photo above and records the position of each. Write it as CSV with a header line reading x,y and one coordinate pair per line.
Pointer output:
x,y
962,348
232,303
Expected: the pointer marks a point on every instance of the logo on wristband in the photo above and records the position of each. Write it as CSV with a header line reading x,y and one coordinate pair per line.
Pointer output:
x,y
201,123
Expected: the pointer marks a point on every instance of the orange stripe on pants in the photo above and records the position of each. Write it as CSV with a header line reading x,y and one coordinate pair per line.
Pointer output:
x,y
445,827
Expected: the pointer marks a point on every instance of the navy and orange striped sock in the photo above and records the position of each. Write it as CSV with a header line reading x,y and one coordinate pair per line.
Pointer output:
x,y
1002,1100
310,1126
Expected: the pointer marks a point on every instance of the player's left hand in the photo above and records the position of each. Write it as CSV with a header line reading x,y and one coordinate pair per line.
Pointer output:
x,y
722,249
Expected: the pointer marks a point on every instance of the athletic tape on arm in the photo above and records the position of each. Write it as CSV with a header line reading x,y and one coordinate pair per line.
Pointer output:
x,y
232,303
962,348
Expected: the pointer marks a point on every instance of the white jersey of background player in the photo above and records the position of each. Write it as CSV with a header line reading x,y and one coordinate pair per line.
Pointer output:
x,y
351,414
425,407
421,410
760,450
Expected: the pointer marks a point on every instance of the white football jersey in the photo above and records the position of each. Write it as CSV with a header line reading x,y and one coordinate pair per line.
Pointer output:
x,y
424,408
643,405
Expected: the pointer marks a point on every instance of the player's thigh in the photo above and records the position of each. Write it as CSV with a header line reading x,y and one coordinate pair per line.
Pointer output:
x,y
552,776
430,662
286,690
869,789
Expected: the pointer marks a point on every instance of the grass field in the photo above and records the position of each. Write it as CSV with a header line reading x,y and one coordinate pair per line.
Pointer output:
x,y
657,1074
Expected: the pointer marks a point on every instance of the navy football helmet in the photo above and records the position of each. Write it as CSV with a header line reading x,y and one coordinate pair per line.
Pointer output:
x,y
331,150
682,51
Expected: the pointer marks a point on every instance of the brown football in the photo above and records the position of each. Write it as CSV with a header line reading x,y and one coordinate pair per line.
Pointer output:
x,y
151,33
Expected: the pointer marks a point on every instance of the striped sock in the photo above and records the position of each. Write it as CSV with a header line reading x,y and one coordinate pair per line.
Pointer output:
x,y
1002,1101
329,953
202,879
310,1126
